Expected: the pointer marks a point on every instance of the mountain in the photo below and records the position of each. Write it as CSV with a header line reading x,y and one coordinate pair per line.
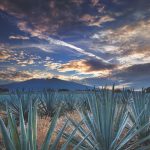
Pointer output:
x,y
39,84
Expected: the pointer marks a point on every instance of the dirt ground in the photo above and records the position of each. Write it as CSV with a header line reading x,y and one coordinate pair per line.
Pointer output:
x,y
43,126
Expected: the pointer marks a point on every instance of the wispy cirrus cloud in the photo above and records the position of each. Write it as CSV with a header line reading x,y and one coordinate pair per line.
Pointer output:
x,y
77,49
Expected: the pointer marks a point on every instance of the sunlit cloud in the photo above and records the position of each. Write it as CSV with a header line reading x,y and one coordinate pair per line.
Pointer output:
x,y
14,75
96,20
25,62
95,67
52,65
11,74
18,37
4,56
5,53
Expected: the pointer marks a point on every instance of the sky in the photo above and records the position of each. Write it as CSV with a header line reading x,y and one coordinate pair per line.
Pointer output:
x,y
94,42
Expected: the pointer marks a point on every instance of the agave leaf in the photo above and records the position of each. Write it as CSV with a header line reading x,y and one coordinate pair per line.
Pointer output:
x,y
30,126
13,131
34,126
140,142
23,130
82,132
80,143
108,121
54,145
64,147
46,143
7,140
121,129
132,133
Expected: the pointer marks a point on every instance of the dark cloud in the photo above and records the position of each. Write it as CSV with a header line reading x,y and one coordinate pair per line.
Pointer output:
x,y
135,75
52,15
100,81
86,66
135,70
95,64
48,15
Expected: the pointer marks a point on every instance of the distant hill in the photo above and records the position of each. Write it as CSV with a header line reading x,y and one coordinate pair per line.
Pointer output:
x,y
39,84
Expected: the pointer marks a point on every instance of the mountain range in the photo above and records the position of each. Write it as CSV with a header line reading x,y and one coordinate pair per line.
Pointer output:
x,y
39,84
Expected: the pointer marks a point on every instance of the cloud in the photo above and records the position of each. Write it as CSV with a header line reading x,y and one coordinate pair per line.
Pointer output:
x,y
99,81
18,37
90,66
46,47
134,72
52,65
57,15
39,33
91,20
50,15
15,75
12,74
53,16
4,55
126,45
77,49
136,76
25,62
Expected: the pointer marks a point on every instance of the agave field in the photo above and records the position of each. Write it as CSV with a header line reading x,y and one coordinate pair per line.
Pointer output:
x,y
105,120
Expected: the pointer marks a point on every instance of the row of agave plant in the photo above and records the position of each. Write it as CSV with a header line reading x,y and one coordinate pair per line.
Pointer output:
x,y
48,101
112,121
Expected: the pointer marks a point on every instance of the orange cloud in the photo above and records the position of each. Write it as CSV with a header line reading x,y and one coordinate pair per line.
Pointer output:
x,y
4,56
82,66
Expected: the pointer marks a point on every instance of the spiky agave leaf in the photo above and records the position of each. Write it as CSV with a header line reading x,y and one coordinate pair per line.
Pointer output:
x,y
139,110
107,121
23,133
28,132
47,140
13,130
6,136
60,133
48,102
30,126
25,97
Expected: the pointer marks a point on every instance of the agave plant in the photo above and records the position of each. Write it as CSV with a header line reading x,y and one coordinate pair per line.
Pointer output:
x,y
69,99
26,139
72,101
25,97
48,103
2,105
140,110
106,126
